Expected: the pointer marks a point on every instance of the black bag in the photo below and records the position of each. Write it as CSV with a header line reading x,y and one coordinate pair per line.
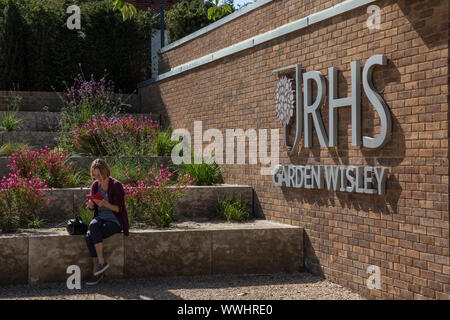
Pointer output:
x,y
76,226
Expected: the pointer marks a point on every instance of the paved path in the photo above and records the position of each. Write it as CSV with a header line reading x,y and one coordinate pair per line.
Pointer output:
x,y
297,286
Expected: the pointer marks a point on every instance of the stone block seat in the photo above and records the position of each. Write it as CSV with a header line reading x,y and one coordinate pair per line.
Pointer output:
x,y
190,247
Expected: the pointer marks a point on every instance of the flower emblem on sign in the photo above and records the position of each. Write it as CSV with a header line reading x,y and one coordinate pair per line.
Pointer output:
x,y
284,103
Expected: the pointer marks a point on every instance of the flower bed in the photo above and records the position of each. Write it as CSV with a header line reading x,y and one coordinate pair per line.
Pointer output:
x,y
20,201
83,100
48,165
150,199
116,135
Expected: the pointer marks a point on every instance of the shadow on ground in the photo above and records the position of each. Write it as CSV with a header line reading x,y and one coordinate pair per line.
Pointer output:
x,y
154,288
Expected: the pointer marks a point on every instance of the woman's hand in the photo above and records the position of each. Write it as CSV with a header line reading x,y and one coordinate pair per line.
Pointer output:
x,y
90,204
100,203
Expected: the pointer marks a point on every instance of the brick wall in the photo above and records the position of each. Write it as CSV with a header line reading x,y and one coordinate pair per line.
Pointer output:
x,y
269,17
406,231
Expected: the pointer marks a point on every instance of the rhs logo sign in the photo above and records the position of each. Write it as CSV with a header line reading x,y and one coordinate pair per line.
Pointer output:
x,y
368,180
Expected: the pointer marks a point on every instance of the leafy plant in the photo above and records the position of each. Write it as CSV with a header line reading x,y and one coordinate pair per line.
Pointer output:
x,y
21,199
121,47
218,11
35,223
206,173
163,144
12,147
232,210
8,119
82,101
116,136
13,31
78,177
152,198
50,166
85,214
186,17
9,221
127,9
38,51
124,169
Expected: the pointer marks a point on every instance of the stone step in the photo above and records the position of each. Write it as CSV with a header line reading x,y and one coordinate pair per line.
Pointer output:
x,y
198,202
255,247
84,162
49,121
36,139
36,100
37,121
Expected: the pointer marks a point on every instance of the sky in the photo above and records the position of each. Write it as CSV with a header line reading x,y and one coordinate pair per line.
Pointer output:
x,y
241,2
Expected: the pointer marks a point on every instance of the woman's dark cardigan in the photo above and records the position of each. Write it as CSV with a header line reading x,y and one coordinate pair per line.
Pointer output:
x,y
116,196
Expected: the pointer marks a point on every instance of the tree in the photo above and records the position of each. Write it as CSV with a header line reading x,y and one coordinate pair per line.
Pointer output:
x,y
127,9
12,51
186,17
219,11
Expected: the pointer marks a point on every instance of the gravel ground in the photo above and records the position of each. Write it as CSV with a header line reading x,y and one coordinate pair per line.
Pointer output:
x,y
297,286
58,228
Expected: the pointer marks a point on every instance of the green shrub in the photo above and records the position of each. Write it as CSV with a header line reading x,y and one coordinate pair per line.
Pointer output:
x,y
12,147
49,166
9,221
125,169
9,120
78,177
116,136
206,173
37,50
218,11
20,201
232,210
135,211
13,35
163,144
83,103
121,47
85,214
35,223
153,198
186,17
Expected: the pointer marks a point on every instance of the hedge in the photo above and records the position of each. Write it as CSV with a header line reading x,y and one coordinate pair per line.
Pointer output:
x,y
38,51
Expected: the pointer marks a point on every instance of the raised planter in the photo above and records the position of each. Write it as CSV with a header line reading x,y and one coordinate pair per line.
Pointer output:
x,y
81,162
85,161
49,121
32,138
36,100
199,201
225,248
37,121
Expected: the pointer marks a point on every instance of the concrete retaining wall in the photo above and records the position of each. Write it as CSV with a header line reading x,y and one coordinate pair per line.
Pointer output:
x,y
198,202
229,248
32,138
